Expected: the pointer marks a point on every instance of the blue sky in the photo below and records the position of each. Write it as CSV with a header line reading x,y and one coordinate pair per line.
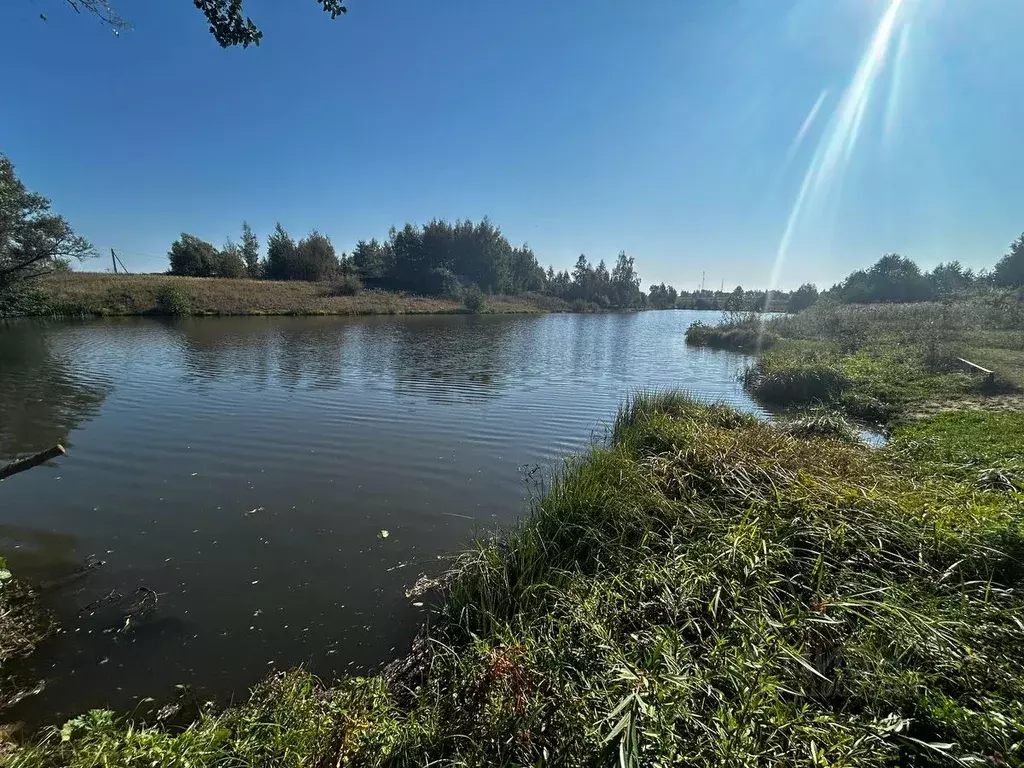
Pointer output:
x,y
666,128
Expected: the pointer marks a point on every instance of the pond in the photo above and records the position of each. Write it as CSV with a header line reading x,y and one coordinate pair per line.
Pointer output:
x,y
236,476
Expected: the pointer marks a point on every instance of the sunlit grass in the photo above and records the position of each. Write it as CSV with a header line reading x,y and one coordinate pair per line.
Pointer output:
x,y
706,589
744,334
985,447
881,361
76,294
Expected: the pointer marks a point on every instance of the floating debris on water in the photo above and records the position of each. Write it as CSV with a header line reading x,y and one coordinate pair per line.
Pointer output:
x,y
383,533
168,710
423,585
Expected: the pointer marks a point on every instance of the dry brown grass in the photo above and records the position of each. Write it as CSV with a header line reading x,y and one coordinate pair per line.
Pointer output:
x,y
85,293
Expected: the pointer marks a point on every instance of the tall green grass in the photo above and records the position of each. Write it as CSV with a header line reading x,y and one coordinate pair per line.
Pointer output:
x,y
880,361
978,446
743,334
918,322
706,589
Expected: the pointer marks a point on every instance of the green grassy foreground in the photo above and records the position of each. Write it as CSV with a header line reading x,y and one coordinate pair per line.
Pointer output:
x,y
884,361
83,293
708,588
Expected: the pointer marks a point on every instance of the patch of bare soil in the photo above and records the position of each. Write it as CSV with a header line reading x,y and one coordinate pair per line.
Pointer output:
x,y
1013,402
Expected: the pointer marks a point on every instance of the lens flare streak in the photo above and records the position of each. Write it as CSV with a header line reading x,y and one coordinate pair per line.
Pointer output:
x,y
805,127
896,86
837,145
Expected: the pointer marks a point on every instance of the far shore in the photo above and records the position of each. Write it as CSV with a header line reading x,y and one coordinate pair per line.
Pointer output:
x,y
77,294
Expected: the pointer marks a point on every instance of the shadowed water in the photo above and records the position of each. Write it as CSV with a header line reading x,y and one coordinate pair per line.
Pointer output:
x,y
242,469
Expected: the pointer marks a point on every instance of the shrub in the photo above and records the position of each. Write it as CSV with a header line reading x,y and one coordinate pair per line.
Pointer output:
x,y
20,298
280,255
314,259
547,302
821,424
1009,271
473,299
868,408
583,306
442,282
229,263
192,257
348,285
797,386
173,299
746,336
802,298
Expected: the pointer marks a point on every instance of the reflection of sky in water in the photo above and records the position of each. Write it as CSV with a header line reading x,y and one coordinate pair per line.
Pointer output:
x,y
242,467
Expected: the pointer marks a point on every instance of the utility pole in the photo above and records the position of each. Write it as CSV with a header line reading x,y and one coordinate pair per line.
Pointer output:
x,y
703,275
116,261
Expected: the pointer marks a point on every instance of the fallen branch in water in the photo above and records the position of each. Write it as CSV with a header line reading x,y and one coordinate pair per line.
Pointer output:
x,y
32,461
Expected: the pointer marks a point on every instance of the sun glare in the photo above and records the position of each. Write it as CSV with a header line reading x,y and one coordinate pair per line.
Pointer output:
x,y
836,147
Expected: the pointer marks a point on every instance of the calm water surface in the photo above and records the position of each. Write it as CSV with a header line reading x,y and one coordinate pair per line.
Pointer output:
x,y
243,469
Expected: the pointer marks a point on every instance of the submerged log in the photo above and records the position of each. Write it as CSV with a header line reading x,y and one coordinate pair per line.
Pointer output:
x,y
31,461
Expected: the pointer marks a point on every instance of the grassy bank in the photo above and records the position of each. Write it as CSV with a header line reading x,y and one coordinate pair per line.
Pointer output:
x,y
708,588
76,294
880,362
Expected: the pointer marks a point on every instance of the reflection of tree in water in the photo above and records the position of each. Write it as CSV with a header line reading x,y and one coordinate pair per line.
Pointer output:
x,y
214,348
310,352
443,357
446,358
42,397
245,350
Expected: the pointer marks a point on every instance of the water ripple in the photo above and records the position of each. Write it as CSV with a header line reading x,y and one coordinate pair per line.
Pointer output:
x,y
243,467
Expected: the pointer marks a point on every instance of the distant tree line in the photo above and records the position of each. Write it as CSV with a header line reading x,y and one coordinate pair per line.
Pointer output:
x,y
662,296
445,258
895,278
619,288
439,258
740,300
465,258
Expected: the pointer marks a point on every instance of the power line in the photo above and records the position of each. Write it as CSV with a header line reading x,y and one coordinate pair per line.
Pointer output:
x,y
137,253
115,261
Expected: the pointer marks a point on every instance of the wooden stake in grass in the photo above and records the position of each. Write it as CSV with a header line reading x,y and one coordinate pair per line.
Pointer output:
x,y
990,376
32,461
